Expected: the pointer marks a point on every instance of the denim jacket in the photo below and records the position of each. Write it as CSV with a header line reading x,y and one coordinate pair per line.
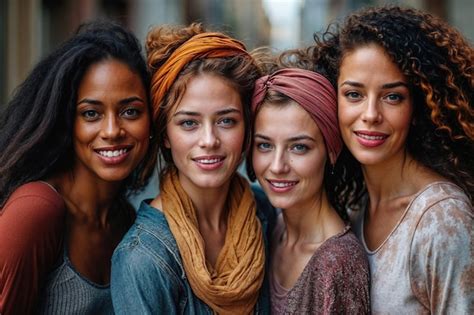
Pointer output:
x,y
148,276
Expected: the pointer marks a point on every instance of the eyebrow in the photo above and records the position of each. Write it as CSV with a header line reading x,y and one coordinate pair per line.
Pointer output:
x,y
124,101
302,137
218,113
384,86
394,85
292,139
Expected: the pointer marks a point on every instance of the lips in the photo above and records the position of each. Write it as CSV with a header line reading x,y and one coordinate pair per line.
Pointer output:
x,y
113,155
370,139
281,186
209,162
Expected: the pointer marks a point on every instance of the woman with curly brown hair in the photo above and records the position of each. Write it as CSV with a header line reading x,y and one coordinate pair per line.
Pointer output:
x,y
405,91
199,246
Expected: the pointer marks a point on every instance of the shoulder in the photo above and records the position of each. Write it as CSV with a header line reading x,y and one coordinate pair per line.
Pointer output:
x,y
444,212
441,195
34,213
343,252
149,245
34,195
338,276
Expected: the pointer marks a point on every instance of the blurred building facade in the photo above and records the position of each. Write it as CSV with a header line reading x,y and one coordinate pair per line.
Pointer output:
x,y
317,14
29,29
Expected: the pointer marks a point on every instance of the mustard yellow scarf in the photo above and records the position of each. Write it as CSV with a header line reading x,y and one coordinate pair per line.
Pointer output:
x,y
233,287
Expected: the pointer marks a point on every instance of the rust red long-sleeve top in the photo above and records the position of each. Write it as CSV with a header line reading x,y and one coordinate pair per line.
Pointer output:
x,y
31,229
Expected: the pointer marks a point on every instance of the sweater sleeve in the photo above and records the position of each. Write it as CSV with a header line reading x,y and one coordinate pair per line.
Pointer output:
x,y
441,257
31,225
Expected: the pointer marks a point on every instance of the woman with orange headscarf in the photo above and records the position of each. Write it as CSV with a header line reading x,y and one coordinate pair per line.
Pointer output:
x,y
199,246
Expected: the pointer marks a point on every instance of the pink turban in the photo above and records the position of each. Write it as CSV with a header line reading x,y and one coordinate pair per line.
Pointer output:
x,y
311,91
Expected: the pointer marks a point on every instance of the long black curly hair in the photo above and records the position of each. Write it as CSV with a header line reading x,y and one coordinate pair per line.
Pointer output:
x,y
36,127
438,63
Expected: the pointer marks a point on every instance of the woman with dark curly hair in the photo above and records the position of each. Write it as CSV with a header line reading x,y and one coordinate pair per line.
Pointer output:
x,y
199,246
405,92
72,139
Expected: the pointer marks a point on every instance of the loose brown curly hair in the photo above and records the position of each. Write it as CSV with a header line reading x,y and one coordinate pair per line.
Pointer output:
x,y
438,63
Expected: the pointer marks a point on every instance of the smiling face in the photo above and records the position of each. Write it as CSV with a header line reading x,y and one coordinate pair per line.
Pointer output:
x,y
289,155
112,124
205,133
374,106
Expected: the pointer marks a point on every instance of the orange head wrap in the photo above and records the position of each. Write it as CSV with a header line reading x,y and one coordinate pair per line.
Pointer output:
x,y
204,45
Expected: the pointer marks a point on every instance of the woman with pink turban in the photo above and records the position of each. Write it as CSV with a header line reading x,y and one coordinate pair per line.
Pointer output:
x,y
317,264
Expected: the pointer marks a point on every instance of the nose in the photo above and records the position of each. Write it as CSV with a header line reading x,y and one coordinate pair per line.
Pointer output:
x,y
371,113
209,137
279,163
112,128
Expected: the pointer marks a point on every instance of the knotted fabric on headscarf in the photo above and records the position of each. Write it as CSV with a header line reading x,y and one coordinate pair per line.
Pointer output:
x,y
314,93
204,45
233,285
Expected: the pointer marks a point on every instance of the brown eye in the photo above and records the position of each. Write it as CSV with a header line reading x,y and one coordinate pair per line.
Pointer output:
x,y
131,113
90,115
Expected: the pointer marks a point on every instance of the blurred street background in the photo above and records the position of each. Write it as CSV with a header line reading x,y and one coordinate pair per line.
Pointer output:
x,y
29,29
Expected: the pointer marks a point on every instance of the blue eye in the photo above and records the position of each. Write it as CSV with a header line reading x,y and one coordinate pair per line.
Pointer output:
x,y
227,122
299,148
264,146
188,124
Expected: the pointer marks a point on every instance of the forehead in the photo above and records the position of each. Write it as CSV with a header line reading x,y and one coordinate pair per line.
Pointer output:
x,y
369,63
209,93
110,75
286,119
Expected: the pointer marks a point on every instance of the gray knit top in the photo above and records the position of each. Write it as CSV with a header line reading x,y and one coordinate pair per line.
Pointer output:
x,y
68,292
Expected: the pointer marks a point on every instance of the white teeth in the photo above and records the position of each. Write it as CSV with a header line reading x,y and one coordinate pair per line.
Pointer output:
x,y
283,184
208,161
113,153
364,136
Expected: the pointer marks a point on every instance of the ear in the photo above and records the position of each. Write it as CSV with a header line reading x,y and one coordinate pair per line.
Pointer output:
x,y
167,142
332,158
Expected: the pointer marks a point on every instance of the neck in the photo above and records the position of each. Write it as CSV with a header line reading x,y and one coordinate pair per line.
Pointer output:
x,y
393,179
313,222
86,196
210,204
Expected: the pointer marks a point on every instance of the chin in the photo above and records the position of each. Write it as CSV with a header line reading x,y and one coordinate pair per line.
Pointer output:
x,y
368,159
210,183
114,177
280,202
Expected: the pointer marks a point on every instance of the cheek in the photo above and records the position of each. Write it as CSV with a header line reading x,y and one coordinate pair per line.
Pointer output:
x,y
258,161
344,114
83,132
141,131
174,137
235,140
402,119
